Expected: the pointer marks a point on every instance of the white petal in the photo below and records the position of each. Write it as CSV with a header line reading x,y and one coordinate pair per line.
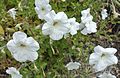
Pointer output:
x,y
46,29
110,60
32,44
17,76
100,66
25,55
85,19
106,75
39,2
73,32
12,46
84,31
62,28
50,16
94,58
57,35
110,50
85,12
91,27
73,65
19,36
61,16
99,49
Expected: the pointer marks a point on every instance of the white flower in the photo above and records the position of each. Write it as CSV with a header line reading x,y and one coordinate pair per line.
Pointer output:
x,y
74,26
23,48
42,8
104,13
86,16
56,25
14,72
12,12
106,75
102,57
73,65
89,27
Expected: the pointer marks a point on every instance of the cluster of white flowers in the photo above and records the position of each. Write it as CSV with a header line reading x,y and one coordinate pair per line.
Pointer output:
x,y
57,25
87,25
13,72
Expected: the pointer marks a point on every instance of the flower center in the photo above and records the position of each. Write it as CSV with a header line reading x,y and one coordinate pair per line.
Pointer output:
x,y
103,55
22,45
43,9
55,23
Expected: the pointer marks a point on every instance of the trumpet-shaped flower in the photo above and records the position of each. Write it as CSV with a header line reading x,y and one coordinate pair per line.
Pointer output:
x,y
104,14
106,75
12,12
23,48
89,27
74,26
14,72
102,57
56,25
42,8
73,65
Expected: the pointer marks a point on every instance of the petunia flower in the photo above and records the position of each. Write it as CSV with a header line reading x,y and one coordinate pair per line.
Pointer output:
x,y
106,75
102,57
87,26
12,12
74,26
73,65
42,8
23,48
14,72
104,14
56,25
